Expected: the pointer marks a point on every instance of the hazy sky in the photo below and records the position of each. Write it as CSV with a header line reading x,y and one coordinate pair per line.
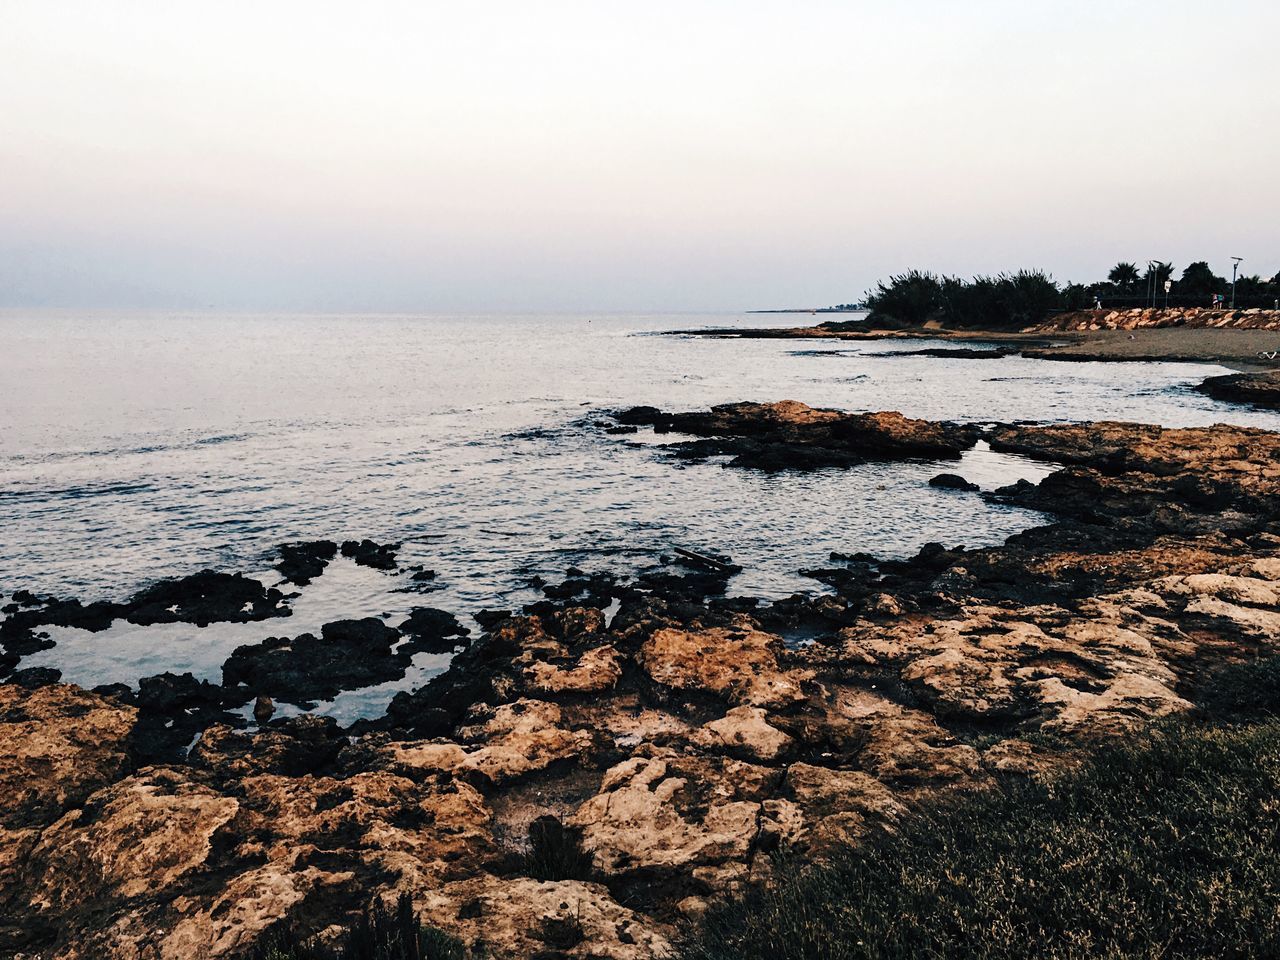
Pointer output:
x,y
602,155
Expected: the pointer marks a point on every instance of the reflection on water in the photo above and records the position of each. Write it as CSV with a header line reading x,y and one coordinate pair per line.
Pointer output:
x,y
138,447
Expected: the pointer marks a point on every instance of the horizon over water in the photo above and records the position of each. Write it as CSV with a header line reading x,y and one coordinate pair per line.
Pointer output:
x,y
135,446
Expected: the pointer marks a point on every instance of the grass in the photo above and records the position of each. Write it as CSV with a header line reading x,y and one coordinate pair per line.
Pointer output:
x,y
1162,847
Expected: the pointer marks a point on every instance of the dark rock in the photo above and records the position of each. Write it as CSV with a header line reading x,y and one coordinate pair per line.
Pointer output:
x,y
33,677
640,416
52,611
367,553
488,619
168,693
953,353
1259,389
301,563
792,436
25,642
433,630
206,597
348,655
172,710
952,481
117,691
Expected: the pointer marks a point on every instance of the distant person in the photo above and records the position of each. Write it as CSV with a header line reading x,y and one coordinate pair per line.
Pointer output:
x,y
1097,303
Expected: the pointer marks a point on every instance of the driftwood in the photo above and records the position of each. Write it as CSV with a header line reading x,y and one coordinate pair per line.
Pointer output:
x,y
701,559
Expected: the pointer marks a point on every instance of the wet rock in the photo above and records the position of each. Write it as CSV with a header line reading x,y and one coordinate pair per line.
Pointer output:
x,y
1257,389
952,353
951,481
17,630
33,677
367,553
204,598
488,619
172,710
791,435
433,630
301,563
640,416
347,655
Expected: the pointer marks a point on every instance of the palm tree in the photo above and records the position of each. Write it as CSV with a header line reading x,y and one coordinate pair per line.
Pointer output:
x,y
1124,275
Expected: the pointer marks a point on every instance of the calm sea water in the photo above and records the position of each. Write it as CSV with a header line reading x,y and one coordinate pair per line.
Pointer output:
x,y
140,446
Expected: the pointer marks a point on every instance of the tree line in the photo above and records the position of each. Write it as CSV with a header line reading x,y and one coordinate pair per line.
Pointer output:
x,y
1029,296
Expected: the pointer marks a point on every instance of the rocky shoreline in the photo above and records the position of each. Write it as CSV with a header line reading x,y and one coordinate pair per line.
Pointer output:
x,y
1086,337
668,736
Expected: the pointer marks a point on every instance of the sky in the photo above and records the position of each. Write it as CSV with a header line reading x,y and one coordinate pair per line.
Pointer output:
x,y
559,155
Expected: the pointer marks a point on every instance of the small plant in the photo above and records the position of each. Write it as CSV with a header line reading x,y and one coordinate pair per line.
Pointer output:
x,y
555,852
378,933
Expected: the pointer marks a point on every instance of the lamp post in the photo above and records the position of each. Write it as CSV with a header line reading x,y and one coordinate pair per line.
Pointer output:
x,y
1235,265
1151,283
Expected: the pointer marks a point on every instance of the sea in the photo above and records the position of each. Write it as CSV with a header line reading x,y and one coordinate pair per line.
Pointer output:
x,y
136,446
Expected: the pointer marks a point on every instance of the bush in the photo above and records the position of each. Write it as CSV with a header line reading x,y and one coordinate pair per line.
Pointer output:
x,y
1164,848
555,852
912,297
379,933
1008,300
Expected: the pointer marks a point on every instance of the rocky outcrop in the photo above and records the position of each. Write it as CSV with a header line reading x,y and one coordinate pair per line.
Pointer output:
x,y
348,654
791,435
676,745
1257,389
303,562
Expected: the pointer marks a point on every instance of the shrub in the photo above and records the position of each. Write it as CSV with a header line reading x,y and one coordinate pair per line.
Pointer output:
x,y
555,852
912,297
1163,848
378,933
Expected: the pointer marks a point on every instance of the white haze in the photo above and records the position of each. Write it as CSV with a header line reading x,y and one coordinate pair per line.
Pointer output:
x,y
601,155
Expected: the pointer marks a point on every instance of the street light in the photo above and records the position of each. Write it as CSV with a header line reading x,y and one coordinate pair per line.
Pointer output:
x,y
1235,265
1151,282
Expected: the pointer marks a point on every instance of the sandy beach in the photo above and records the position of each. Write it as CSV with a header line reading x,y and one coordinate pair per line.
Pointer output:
x,y
1237,349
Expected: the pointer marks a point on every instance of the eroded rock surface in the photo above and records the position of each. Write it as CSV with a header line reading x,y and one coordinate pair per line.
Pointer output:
x,y
791,435
679,743
1258,389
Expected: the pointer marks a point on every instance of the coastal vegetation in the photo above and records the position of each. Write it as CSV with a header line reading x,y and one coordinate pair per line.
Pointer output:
x,y
1026,297
1159,846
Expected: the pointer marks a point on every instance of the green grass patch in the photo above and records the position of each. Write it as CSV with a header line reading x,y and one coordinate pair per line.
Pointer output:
x,y
1166,846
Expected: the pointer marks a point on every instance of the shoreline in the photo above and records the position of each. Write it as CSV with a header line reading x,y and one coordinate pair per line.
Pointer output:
x,y
1237,349
676,742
